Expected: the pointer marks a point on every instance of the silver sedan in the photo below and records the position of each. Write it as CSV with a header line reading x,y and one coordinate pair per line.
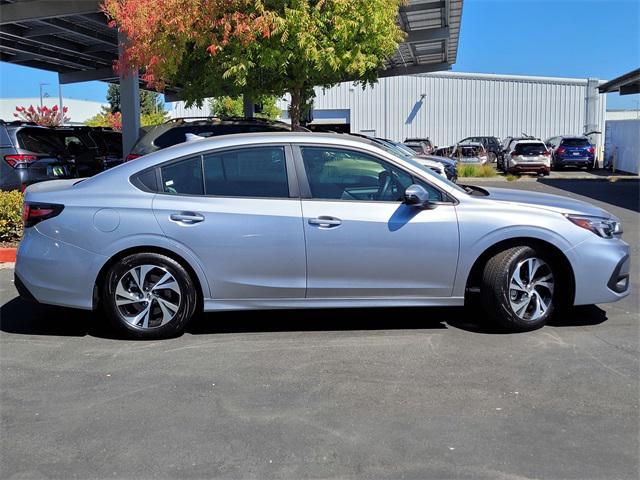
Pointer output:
x,y
300,220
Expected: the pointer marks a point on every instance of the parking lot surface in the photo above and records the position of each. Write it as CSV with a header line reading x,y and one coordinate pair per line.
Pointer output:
x,y
384,393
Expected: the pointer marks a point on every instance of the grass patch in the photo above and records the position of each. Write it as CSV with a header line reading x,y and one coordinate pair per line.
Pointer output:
x,y
512,178
476,171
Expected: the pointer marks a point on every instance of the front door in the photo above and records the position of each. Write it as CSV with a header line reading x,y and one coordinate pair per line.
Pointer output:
x,y
233,209
362,241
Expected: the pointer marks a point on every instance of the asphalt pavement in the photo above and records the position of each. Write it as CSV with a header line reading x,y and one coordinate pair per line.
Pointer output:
x,y
378,393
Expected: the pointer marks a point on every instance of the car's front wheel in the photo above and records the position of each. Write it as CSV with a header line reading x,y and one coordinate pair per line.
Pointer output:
x,y
149,296
518,288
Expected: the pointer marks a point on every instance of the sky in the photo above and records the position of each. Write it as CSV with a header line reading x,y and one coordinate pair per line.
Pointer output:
x,y
557,38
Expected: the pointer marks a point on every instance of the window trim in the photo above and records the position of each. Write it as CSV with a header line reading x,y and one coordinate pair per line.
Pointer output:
x,y
290,170
305,189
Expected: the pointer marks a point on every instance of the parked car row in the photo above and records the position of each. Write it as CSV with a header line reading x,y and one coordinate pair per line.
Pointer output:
x,y
30,153
523,154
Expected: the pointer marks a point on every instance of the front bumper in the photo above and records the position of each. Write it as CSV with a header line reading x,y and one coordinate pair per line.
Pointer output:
x,y
601,270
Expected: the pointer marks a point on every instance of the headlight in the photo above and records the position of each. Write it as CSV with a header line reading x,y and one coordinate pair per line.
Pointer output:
x,y
603,227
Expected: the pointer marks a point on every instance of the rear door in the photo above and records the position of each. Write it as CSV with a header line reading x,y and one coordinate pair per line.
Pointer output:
x,y
362,241
239,211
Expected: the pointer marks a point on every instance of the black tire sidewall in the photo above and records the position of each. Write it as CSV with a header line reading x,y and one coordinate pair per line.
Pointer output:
x,y
182,316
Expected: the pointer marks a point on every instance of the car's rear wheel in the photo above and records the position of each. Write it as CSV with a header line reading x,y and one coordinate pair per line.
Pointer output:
x,y
149,296
518,288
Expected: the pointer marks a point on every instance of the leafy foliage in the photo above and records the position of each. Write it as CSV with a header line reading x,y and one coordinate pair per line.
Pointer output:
x,y
10,216
233,107
44,116
256,47
114,120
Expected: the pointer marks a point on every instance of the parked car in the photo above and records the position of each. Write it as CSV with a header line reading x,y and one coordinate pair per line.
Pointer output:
x,y
450,165
470,153
93,149
175,130
574,151
30,154
492,145
422,146
527,156
405,152
307,220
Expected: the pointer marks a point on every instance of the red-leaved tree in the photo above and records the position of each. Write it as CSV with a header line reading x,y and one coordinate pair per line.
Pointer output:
x,y
44,116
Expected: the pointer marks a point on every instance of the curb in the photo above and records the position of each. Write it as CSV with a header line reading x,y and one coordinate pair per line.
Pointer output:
x,y
610,179
8,255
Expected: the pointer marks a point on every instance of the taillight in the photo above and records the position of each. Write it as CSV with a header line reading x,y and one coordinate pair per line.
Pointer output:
x,y
591,150
132,156
37,212
561,150
15,160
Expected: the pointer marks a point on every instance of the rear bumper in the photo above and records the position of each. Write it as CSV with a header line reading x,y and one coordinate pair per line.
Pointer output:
x,y
55,273
575,162
523,167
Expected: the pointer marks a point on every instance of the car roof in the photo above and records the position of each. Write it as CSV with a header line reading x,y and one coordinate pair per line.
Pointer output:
x,y
528,140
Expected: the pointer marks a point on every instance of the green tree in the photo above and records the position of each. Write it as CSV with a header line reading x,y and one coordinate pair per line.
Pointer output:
x,y
234,107
150,102
258,47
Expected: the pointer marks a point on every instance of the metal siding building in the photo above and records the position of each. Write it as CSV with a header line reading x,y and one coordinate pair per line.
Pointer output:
x,y
448,106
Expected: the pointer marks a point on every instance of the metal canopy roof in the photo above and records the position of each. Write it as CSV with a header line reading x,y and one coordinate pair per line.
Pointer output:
x,y
71,37
626,84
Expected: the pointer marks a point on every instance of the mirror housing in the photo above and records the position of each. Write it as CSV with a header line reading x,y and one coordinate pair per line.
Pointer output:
x,y
416,195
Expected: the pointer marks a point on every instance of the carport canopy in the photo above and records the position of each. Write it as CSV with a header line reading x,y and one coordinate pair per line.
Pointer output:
x,y
72,37
626,84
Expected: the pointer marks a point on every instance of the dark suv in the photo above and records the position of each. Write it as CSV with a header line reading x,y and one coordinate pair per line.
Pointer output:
x,y
31,154
175,131
575,151
491,144
93,149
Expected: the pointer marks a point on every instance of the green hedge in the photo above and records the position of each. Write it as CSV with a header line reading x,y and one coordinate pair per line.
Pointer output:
x,y
10,217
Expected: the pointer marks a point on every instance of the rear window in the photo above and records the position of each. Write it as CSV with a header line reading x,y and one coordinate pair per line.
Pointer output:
x,y
530,149
576,142
469,151
113,140
39,140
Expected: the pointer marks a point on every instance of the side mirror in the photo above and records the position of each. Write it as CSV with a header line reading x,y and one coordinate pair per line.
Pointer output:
x,y
416,195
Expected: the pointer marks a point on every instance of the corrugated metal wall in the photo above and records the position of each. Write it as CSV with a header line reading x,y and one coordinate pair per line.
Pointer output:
x,y
457,105
447,107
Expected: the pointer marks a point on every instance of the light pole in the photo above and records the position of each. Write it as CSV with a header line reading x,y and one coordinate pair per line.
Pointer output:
x,y
41,85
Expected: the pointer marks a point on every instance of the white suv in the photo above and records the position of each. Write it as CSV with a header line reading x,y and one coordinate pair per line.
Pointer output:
x,y
527,156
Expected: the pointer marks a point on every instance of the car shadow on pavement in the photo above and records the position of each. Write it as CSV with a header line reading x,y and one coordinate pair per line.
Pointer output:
x,y
25,318
623,194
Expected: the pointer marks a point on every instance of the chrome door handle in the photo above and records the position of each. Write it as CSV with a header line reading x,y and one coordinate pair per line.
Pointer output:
x,y
325,222
186,217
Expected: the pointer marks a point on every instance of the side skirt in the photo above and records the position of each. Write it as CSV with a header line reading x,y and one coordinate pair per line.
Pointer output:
x,y
211,305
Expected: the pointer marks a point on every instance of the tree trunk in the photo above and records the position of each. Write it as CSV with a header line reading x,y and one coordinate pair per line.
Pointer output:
x,y
294,109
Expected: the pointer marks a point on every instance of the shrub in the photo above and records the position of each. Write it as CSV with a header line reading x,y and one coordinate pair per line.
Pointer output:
x,y
476,171
10,217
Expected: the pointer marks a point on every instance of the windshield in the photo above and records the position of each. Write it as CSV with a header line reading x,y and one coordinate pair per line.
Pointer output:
x,y
408,150
390,148
431,174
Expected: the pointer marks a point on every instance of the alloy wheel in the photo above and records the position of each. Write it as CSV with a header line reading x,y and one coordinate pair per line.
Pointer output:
x,y
531,289
147,296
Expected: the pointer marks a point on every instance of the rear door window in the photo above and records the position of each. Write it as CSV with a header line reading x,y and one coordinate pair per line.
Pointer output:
x,y
248,172
183,177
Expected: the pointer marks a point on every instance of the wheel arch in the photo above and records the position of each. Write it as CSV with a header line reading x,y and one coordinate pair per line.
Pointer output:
x,y
97,288
558,257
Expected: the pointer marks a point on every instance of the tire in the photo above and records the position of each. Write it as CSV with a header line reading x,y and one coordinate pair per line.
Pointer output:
x,y
590,167
492,157
519,307
151,283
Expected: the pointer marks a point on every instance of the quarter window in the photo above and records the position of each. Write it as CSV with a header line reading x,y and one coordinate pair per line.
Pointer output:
x,y
183,177
336,174
251,172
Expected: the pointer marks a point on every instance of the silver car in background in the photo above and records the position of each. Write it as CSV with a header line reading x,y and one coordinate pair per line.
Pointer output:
x,y
301,220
